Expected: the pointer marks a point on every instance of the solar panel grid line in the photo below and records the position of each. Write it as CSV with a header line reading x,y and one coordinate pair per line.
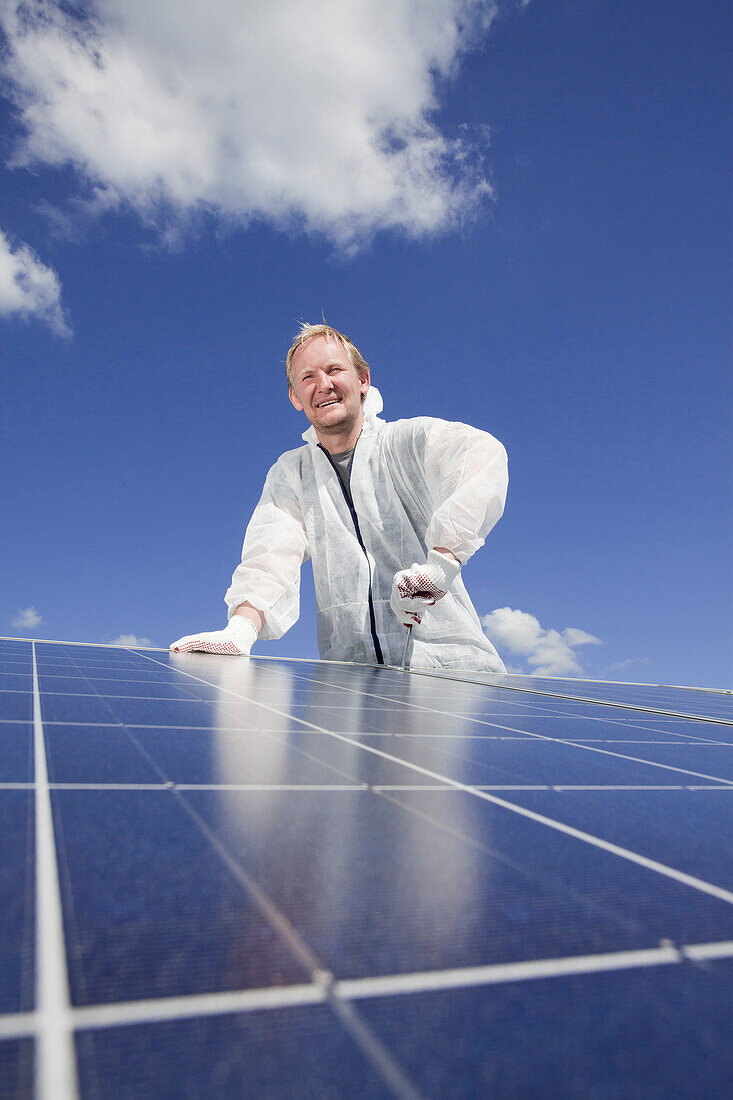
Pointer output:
x,y
701,952
18,1025
636,741
501,973
614,849
109,786
90,645
710,787
639,787
560,787
100,695
198,1004
170,785
636,683
360,733
565,741
684,740
56,1072
150,1010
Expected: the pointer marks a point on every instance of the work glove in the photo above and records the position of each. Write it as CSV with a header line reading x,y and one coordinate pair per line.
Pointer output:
x,y
236,639
416,589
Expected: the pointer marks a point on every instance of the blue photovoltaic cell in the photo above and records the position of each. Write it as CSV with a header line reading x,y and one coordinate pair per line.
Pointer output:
x,y
252,1054
293,878
16,1069
96,754
690,833
17,706
663,1032
152,919
16,901
16,752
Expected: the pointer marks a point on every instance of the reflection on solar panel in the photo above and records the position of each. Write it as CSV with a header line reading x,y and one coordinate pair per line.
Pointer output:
x,y
286,878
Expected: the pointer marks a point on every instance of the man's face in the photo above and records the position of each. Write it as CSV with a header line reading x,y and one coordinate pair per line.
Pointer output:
x,y
326,386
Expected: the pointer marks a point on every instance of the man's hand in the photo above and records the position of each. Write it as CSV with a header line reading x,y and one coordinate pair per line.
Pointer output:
x,y
416,589
236,639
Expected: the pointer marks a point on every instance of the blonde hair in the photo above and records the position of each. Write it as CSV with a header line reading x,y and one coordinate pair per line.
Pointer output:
x,y
308,332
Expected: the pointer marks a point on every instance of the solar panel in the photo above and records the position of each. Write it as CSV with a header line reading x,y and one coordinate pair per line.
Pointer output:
x,y
277,877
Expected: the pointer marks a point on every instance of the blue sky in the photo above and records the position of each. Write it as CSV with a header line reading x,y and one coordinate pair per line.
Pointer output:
x,y
520,214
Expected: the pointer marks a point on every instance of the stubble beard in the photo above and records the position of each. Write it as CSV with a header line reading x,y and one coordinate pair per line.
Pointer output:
x,y
344,425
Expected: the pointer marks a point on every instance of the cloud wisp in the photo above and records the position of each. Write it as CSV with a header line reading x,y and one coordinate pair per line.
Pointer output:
x,y
313,115
132,641
619,666
27,618
28,288
546,652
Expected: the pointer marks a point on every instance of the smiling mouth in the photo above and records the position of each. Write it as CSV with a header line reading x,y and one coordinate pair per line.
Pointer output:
x,y
331,401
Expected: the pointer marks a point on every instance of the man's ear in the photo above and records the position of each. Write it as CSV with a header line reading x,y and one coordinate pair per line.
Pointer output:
x,y
295,401
364,384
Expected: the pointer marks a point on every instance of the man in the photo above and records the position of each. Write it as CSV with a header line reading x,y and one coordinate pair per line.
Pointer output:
x,y
364,499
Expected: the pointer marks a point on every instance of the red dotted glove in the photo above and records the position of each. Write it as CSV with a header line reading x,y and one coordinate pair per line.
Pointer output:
x,y
416,589
235,640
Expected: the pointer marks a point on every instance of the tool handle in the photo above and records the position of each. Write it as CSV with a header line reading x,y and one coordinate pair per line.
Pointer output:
x,y
407,642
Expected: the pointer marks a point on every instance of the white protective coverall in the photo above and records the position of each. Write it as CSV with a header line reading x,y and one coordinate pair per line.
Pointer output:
x,y
416,484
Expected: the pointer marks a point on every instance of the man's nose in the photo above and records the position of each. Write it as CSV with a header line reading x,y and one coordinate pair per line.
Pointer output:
x,y
324,383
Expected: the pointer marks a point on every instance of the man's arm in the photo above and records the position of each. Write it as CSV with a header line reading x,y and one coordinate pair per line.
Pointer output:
x,y
264,596
466,477
265,586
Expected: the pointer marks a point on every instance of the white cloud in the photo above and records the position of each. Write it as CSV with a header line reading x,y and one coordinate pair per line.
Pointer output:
x,y
617,666
314,114
547,652
28,287
132,641
27,618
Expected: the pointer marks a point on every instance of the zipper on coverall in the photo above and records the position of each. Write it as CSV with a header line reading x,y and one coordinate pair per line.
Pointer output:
x,y
355,519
